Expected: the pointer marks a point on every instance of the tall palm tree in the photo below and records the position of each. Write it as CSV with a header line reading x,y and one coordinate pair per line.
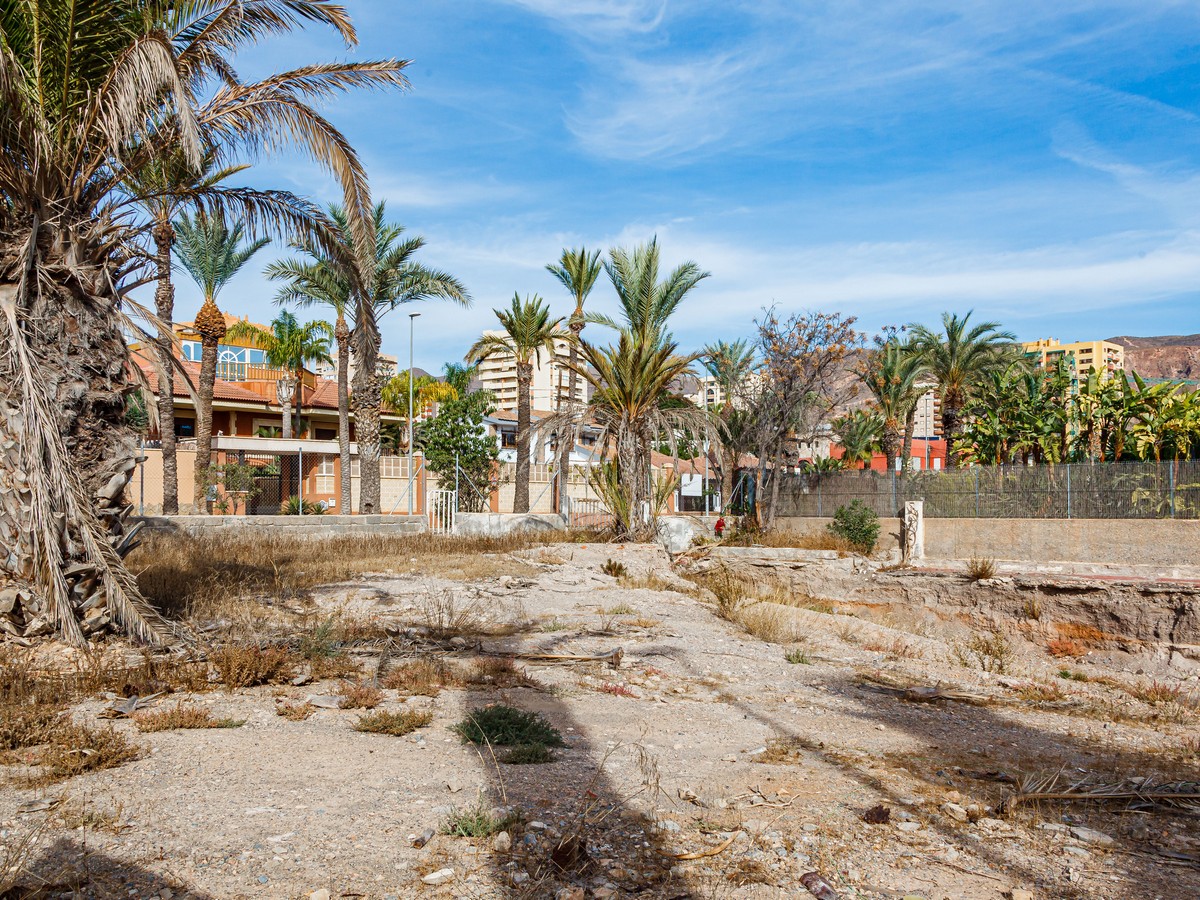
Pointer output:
x,y
577,271
729,363
212,253
426,391
289,346
83,109
526,332
892,374
360,293
959,357
460,376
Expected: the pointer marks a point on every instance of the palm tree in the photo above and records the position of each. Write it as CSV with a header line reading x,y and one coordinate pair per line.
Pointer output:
x,y
859,434
577,270
729,363
426,391
164,188
526,331
647,303
83,110
289,346
892,373
212,253
360,294
460,376
959,358
631,389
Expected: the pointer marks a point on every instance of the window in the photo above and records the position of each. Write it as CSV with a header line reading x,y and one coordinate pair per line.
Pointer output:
x,y
326,434
326,475
508,439
185,428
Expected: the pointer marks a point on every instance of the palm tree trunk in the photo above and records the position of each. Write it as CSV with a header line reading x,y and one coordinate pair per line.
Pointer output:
x,y
341,334
204,399
891,441
164,305
67,455
367,391
285,391
910,426
566,438
951,426
521,489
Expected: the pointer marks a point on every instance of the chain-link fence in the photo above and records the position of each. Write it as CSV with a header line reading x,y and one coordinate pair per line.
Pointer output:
x,y
1124,490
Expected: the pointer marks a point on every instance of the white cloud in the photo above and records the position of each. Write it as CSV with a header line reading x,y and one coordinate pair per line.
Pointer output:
x,y
600,18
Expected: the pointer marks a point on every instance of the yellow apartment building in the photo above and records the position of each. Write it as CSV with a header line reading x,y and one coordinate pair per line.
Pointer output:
x,y
1081,357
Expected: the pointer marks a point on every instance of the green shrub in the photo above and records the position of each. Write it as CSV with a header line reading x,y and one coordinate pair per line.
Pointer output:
x,y
858,524
798,657
507,726
291,507
477,822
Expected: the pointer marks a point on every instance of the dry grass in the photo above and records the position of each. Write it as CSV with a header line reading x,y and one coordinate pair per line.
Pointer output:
x,y
446,614
294,712
896,648
181,716
795,540
26,725
1159,693
396,724
500,671
616,689
199,575
241,665
75,749
770,622
1041,692
74,815
641,622
787,751
981,568
990,652
614,569
425,677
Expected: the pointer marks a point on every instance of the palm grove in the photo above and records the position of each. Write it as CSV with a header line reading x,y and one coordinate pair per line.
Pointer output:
x,y
123,126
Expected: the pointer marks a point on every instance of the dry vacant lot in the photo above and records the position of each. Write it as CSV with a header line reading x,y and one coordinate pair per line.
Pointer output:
x,y
732,734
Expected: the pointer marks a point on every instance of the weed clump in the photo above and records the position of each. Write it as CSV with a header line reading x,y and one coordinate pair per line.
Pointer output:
x,y
75,749
396,724
294,712
528,755
798,656
360,695
507,726
477,822
614,569
423,677
989,652
181,716
27,725
981,568
858,524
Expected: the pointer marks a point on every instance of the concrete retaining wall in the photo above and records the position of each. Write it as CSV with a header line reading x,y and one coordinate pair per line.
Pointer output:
x,y
303,526
496,524
1117,542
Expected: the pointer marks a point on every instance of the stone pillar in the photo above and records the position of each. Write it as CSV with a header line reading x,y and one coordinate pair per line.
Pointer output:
x,y
913,545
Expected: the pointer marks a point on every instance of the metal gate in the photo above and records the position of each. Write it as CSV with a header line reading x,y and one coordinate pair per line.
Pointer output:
x,y
442,508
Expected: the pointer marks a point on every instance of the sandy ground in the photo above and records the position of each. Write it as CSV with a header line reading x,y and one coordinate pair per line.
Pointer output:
x,y
670,762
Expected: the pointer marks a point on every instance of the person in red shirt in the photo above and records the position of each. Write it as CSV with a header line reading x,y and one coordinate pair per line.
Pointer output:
x,y
720,527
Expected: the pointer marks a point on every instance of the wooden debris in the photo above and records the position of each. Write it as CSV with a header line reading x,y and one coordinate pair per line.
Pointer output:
x,y
123,709
1133,793
704,854
919,693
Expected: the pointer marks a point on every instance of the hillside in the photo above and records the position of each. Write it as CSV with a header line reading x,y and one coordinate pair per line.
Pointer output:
x,y
1162,356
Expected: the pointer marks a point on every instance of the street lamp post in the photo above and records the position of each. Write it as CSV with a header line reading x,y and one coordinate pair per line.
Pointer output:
x,y
412,318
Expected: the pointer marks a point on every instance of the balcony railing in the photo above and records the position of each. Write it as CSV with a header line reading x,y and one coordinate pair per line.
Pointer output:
x,y
245,372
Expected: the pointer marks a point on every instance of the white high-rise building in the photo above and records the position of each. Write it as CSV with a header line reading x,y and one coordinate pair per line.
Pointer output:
x,y
551,378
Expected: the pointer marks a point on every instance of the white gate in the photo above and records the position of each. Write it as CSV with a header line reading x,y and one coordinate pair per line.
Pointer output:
x,y
442,508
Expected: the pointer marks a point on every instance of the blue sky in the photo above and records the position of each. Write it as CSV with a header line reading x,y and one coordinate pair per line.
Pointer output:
x,y
1039,162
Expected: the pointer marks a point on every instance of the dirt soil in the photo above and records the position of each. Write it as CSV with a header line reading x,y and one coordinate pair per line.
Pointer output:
x,y
705,739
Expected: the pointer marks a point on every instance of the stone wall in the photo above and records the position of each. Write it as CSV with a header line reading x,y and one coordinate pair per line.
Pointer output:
x,y
304,526
1117,542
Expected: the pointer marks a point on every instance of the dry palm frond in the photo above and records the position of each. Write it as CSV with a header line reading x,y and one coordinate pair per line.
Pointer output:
x,y
919,693
1132,793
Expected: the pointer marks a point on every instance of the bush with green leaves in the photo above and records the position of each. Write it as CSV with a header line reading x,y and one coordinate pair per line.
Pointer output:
x,y
507,726
858,524
292,507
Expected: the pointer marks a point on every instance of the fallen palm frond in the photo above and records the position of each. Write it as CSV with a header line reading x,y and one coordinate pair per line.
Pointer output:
x,y
612,658
920,693
1134,793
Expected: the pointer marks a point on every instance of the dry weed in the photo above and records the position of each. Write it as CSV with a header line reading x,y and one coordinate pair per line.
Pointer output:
x,y
426,677
641,622
294,712
771,623
396,724
75,749
617,689
25,725
1065,647
896,648
241,666
359,695
981,568
74,815
447,615
500,671
181,716
1040,692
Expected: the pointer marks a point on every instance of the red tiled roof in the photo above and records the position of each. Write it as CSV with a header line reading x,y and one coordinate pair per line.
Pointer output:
x,y
324,396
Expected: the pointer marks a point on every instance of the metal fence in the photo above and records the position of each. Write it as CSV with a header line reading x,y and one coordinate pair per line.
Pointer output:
x,y
1123,490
